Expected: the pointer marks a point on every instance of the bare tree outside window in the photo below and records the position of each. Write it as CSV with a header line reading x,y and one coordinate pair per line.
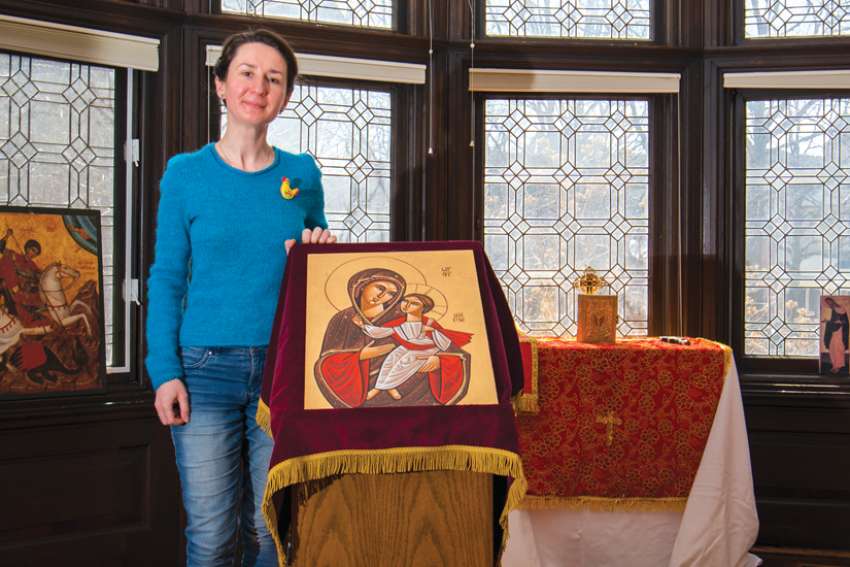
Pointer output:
x,y
586,19
796,18
58,147
797,220
360,13
566,186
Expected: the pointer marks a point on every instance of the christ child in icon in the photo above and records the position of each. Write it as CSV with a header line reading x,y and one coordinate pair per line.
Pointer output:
x,y
419,339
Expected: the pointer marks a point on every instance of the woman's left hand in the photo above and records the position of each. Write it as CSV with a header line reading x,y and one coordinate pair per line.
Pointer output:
x,y
317,235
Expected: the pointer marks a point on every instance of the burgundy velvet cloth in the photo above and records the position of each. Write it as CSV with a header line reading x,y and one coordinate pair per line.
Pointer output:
x,y
298,432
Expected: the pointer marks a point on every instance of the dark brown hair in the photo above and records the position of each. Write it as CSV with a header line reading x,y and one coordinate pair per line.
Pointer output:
x,y
266,37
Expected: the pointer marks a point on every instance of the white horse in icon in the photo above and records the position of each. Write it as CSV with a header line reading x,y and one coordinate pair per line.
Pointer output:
x,y
52,293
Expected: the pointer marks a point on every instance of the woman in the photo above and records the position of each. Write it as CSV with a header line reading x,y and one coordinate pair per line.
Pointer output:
x,y
225,210
835,335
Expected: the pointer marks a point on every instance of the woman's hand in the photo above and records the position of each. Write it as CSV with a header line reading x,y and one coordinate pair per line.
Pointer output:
x,y
317,235
172,403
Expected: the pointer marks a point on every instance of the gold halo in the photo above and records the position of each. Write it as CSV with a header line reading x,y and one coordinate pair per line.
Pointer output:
x,y
336,285
441,304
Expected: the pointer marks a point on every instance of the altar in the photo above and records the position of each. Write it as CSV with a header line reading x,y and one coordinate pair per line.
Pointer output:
x,y
636,454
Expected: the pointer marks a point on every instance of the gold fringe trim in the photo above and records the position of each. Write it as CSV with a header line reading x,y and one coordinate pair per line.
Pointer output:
x,y
603,504
529,403
395,460
264,417
526,403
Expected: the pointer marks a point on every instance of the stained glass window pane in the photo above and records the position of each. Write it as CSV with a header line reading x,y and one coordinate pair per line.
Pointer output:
x,y
348,132
796,18
587,19
360,13
57,146
566,187
797,219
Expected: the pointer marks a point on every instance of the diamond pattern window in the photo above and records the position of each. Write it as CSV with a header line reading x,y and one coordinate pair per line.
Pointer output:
x,y
359,13
588,19
349,132
58,148
796,18
566,186
797,220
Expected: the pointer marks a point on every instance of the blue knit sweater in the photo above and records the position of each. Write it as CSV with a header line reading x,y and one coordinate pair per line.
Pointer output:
x,y
231,225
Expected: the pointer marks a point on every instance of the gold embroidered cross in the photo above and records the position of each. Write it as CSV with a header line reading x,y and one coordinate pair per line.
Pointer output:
x,y
609,420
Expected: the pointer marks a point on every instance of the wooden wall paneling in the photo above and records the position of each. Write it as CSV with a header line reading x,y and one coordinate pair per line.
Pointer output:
x,y
690,24
320,39
689,113
94,489
417,18
664,237
122,17
198,6
458,19
195,91
460,202
436,196
409,144
160,128
716,281
666,20
800,453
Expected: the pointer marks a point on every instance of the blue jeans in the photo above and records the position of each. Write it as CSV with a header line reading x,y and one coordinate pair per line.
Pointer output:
x,y
223,458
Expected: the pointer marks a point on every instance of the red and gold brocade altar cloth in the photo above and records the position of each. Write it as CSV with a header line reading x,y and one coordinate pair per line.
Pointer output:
x,y
617,425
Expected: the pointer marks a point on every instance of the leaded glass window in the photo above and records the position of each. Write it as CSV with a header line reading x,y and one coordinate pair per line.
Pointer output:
x,y
589,19
360,13
797,220
566,186
58,146
348,131
796,18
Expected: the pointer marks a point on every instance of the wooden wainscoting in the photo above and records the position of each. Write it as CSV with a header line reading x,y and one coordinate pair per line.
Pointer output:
x,y
94,488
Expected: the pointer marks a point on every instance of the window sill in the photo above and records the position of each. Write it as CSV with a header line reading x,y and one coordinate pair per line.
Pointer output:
x,y
795,389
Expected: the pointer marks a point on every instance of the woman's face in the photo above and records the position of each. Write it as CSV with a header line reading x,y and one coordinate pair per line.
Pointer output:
x,y
379,292
254,90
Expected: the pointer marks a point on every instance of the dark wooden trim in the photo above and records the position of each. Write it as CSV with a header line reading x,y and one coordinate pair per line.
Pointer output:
x,y
690,118
457,153
321,39
438,188
408,144
736,174
123,17
665,234
119,262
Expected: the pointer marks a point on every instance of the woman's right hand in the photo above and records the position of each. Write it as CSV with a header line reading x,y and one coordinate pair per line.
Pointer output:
x,y
172,403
